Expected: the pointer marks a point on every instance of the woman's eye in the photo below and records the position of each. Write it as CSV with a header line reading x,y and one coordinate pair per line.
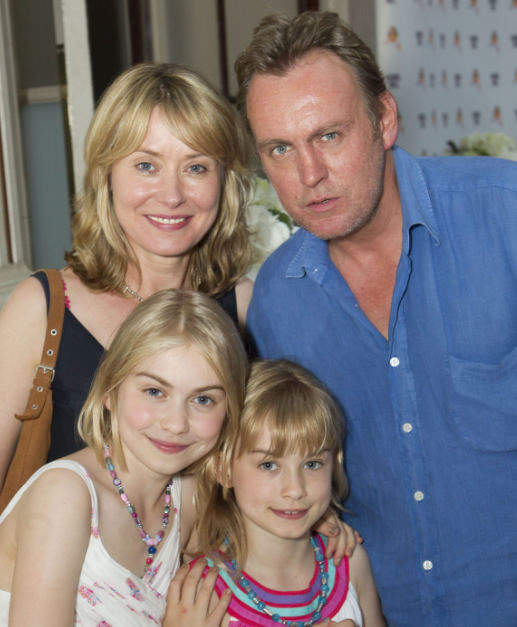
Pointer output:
x,y
313,465
145,166
268,466
153,392
279,150
203,400
329,136
197,168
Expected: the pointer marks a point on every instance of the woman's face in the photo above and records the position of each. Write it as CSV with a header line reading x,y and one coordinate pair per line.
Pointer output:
x,y
170,410
165,195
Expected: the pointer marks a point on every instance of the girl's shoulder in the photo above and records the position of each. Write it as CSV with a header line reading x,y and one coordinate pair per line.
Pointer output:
x,y
359,565
59,489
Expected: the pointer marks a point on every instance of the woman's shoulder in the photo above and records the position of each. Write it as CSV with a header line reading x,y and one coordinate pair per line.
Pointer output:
x,y
243,294
27,299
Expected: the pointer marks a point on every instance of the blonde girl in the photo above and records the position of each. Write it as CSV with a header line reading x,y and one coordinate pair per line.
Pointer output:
x,y
276,476
94,539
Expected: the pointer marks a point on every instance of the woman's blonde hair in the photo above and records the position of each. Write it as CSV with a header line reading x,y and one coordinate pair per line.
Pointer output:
x,y
199,117
165,320
301,417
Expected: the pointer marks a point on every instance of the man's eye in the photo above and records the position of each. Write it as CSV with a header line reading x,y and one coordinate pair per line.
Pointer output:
x,y
145,166
279,150
313,465
268,466
329,136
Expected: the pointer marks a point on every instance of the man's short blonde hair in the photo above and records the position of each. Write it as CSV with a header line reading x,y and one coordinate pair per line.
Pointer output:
x,y
279,42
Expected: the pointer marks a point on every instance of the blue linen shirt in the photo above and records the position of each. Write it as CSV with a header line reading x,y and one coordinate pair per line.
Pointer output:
x,y
431,450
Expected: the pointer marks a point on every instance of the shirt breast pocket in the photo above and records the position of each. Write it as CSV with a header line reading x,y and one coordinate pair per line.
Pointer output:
x,y
483,402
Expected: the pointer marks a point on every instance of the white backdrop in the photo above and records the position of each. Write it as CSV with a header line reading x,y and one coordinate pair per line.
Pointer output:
x,y
452,66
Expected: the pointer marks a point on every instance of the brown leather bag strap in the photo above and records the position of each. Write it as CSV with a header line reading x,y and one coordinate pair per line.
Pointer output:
x,y
45,371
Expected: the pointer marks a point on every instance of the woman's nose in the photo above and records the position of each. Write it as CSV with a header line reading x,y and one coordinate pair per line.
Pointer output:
x,y
171,190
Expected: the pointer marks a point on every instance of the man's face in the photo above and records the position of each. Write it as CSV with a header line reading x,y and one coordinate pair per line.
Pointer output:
x,y
317,145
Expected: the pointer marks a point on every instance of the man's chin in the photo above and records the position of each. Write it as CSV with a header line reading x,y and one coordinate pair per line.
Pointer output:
x,y
326,232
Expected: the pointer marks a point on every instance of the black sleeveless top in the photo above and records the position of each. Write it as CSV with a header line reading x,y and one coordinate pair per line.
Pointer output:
x,y
77,361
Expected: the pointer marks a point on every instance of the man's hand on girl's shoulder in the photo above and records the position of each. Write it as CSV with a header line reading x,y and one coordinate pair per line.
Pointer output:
x,y
342,539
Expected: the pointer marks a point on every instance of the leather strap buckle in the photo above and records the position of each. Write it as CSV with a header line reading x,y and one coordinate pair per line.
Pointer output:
x,y
45,370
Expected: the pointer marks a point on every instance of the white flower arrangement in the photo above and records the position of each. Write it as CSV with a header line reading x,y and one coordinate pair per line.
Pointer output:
x,y
485,145
268,223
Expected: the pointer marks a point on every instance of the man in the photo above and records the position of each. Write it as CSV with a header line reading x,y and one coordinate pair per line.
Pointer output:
x,y
400,294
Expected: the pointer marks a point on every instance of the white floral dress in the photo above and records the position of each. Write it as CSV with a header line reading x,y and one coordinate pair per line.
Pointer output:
x,y
108,594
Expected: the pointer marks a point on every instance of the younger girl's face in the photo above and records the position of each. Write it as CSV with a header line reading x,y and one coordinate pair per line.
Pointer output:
x,y
170,410
282,496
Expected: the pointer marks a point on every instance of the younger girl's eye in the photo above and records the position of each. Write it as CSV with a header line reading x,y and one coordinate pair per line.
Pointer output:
x,y
197,168
145,166
204,401
268,466
313,465
153,392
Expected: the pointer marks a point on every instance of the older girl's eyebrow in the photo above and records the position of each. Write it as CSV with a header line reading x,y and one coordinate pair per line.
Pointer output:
x,y
150,375
164,383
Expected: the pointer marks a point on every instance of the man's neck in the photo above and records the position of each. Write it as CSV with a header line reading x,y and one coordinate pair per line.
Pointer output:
x,y
382,235
368,258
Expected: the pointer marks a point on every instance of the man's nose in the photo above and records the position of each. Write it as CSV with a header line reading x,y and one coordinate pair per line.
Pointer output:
x,y
311,167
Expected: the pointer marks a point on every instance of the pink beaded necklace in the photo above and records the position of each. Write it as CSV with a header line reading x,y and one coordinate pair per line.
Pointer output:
x,y
152,543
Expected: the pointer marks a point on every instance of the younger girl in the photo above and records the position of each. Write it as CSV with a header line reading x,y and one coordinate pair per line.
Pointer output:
x,y
277,475
169,389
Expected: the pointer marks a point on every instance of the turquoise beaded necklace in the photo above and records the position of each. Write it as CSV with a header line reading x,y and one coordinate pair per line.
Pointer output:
x,y
276,618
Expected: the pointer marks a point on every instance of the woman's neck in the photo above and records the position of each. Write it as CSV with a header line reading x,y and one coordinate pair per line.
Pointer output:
x,y
281,564
158,274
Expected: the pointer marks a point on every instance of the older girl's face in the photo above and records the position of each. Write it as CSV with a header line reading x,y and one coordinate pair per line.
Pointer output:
x,y
171,409
165,194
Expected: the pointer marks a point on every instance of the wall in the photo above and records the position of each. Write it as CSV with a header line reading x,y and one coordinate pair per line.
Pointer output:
x,y
452,66
42,131
193,32
193,36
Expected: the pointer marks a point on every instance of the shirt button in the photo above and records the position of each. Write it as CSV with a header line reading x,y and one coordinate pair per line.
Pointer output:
x,y
407,427
419,496
427,565
394,361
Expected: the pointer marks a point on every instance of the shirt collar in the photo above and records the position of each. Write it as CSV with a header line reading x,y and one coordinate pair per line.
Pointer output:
x,y
312,256
414,195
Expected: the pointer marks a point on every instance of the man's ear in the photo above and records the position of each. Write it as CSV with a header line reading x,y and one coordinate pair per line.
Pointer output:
x,y
220,474
388,119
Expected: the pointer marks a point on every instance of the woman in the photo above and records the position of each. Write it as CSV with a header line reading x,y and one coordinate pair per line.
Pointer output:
x,y
165,189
